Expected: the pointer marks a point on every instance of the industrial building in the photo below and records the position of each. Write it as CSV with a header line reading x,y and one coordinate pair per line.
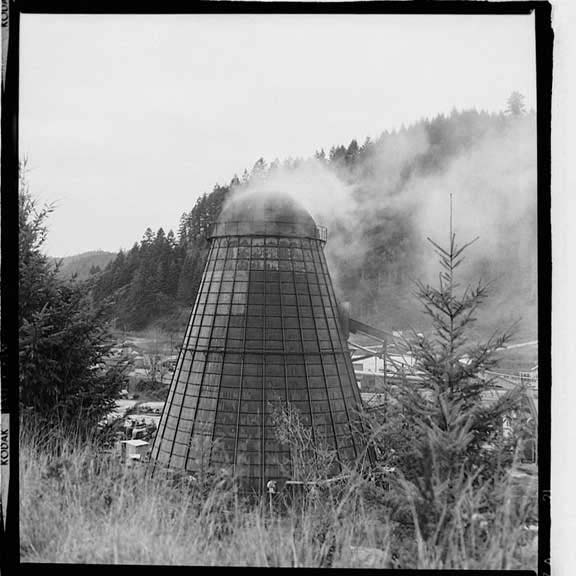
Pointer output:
x,y
264,333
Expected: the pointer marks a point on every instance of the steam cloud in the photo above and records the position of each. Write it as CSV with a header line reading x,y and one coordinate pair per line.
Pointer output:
x,y
492,182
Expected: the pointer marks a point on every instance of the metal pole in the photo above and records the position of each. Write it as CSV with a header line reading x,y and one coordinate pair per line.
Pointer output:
x,y
384,351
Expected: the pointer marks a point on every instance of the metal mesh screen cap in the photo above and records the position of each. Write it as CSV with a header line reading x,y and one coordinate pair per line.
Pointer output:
x,y
266,213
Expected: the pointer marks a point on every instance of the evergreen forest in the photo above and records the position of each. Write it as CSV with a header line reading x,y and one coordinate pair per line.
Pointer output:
x,y
393,189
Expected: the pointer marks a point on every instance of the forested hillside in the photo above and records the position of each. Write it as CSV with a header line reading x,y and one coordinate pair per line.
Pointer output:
x,y
380,200
84,265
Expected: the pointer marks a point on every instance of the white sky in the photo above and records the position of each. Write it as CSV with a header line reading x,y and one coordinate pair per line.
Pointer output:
x,y
126,120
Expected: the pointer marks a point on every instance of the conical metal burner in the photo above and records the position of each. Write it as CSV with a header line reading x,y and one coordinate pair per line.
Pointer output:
x,y
264,332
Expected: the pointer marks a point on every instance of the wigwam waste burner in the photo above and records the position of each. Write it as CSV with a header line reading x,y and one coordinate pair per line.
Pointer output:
x,y
264,332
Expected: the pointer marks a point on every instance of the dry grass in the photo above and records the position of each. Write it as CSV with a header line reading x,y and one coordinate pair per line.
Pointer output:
x,y
82,506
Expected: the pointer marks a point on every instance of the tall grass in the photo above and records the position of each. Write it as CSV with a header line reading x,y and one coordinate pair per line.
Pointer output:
x,y
79,505
84,506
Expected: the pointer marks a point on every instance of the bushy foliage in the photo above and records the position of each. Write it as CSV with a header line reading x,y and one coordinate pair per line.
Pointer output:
x,y
65,372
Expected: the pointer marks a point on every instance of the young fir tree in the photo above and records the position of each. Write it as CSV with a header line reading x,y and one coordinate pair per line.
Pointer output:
x,y
448,436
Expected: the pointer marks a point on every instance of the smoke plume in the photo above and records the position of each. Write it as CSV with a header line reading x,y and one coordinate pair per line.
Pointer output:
x,y
401,187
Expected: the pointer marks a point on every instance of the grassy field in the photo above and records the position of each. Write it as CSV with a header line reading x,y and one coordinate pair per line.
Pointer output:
x,y
81,505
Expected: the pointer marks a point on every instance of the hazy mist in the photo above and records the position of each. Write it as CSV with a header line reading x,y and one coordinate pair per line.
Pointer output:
x,y
493,187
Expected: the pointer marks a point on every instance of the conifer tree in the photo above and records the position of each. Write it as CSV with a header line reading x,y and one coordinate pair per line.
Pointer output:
x,y
449,405
515,105
171,239
147,239
183,229
235,181
66,375
320,155
351,152
448,435
259,168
